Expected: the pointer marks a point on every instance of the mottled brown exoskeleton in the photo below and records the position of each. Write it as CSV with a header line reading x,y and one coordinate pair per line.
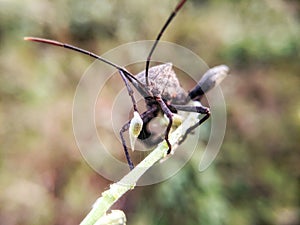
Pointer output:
x,y
160,88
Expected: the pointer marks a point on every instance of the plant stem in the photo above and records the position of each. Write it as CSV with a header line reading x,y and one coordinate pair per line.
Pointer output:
x,y
128,182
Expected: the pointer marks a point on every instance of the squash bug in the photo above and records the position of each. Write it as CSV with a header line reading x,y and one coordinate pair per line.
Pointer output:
x,y
160,89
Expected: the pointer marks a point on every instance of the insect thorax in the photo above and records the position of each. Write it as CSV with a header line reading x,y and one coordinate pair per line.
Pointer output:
x,y
163,81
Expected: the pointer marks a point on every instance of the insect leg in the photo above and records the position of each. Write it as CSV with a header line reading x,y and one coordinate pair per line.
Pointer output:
x,y
197,109
124,129
129,90
169,114
146,116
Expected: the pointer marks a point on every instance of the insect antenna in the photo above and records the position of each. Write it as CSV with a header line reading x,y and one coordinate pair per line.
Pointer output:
x,y
141,87
172,15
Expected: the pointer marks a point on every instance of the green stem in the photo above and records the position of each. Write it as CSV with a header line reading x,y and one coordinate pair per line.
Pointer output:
x,y
128,182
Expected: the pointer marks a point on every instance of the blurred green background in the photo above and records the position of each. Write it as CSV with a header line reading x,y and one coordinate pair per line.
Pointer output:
x,y
255,178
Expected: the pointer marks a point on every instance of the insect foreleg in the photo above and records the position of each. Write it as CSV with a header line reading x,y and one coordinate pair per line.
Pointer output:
x,y
146,116
169,114
124,129
129,90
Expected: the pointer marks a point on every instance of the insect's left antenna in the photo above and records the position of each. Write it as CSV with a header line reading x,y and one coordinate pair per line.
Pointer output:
x,y
126,73
93,55
172,15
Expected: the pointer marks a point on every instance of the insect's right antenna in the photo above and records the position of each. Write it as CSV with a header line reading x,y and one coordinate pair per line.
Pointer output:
x,y
172,15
